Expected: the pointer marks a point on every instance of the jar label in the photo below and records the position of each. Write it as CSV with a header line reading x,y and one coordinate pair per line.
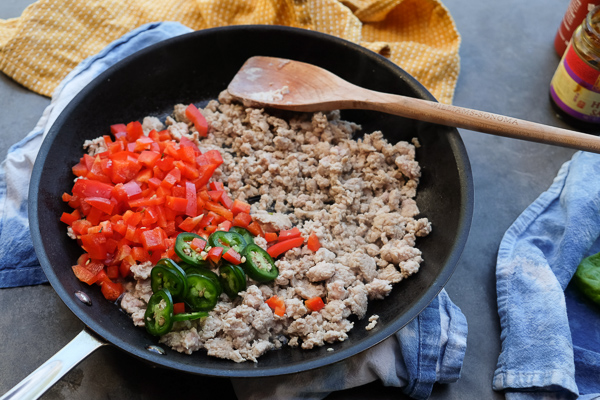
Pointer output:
x,y
575,87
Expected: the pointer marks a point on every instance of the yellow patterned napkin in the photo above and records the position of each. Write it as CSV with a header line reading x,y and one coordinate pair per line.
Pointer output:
x,y
51,37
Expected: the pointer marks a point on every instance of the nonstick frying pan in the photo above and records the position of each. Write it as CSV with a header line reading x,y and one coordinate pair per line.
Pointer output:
x,y
194,68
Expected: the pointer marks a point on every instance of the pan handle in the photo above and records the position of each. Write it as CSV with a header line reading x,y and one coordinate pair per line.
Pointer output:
x,y
42,379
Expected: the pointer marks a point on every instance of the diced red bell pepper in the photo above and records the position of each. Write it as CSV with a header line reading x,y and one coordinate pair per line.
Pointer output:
x,y
215,195
190,223
206,221
166,163
191,209
178,191
87,188
232,256
205,173
132,189
176,204
134,131
242,220
112,290
255,229
281,247
194,115
102,204
178,308
187,170
95,245
81,226
112,271
239,206
80,169
289,234
277,305
216,186
219,209
101,278
197,244
70,218
270,236
313,243
139,254
149,158
171,179
224,226
154,239
187,154
210,229
226,201
125,267
314,304
87,272
116,128
215,253
214,157
143,143
185,142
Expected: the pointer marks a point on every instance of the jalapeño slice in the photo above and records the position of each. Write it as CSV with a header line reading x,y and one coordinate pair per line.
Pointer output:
x,y
159,314
259,265
244,232
185,251
227,240
190,316
232,279
203,293
168,275
207,273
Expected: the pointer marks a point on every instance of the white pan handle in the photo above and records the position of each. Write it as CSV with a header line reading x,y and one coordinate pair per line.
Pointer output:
x,y
52,370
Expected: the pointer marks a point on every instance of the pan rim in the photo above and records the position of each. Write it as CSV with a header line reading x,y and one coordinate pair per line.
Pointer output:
x,y
467,191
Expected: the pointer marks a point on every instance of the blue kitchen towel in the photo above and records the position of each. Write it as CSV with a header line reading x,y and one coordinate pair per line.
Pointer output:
x,y
550,333
429,349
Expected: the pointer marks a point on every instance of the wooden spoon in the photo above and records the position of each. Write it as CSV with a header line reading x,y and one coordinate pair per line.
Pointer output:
x,y
297,86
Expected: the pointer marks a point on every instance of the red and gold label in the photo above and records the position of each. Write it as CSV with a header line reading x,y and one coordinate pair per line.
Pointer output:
x,y
575,87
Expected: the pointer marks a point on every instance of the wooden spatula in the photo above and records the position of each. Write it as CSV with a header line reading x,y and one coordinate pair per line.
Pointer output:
x,y
297,86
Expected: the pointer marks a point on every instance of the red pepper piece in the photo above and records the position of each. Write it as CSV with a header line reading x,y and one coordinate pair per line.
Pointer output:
x,y
215,253
239,206
314,304
198,244
197,119
281,247
116,128
232,256
289,234
154,239
242,220
313,243
270,236
255,229
277,305
178,308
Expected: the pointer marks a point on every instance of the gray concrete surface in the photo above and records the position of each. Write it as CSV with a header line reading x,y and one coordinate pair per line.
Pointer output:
x,y
507,61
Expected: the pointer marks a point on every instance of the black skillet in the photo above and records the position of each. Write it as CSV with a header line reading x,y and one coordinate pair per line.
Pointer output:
x,y
194,68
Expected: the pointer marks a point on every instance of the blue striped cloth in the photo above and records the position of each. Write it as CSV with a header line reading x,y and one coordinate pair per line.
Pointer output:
x,y
550,333
430,349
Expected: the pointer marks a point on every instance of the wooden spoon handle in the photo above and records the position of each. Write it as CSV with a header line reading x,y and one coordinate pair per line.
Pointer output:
x,y
480,121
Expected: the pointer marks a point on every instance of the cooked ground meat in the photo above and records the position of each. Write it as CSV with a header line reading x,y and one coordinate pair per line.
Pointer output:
x,y
357,196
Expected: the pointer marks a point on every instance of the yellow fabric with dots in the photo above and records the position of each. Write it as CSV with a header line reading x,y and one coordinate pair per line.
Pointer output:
x,y
51,37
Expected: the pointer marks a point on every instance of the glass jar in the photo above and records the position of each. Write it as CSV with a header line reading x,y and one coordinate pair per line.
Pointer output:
x,y
575,87
576,13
